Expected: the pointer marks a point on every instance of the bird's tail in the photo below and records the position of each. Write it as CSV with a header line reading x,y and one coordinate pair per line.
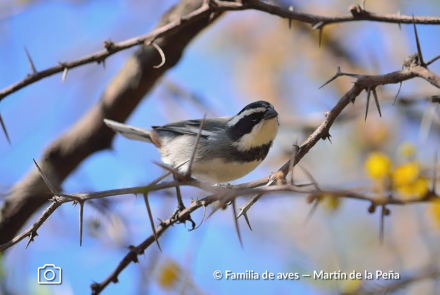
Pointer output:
x,y
129,131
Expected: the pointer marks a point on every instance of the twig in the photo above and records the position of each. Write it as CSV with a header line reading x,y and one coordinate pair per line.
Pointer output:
x,y
204,11
339,74
100,56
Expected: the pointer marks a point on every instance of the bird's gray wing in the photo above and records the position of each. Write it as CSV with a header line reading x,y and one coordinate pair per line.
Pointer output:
x,y
191,127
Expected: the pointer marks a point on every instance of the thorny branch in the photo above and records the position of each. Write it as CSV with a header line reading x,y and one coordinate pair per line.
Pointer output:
x,y
275,183
211,6
362,83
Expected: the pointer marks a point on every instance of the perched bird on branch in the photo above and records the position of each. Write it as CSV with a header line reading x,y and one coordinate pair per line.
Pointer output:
x,y
228,149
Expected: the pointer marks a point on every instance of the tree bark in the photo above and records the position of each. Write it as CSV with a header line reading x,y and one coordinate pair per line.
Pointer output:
x,y
89,135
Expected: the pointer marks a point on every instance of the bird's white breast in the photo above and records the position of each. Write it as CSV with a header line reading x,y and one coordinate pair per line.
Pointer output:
x,y
218,171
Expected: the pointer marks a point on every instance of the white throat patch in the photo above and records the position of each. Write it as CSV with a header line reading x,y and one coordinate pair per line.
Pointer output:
x,y
262,133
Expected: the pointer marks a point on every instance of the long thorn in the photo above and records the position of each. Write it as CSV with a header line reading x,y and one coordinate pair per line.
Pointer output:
x,y
382,226
419,48
293,160
31,62
150,215
433,60
32,235
247,220
4,129
338,74
368,103
321,32
434,173
399,24
46,180
237,228
398,92
173,171
317,187
311,212
81,218
311,178
376,100
64,76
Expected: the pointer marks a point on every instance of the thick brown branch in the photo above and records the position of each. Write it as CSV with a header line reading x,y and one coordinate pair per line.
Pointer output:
x,y
90,134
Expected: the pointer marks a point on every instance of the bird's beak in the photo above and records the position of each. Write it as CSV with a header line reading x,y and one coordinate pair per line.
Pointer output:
x,y
270,113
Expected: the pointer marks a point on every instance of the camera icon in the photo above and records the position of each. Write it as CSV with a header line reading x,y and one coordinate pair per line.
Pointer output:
x,y
49,274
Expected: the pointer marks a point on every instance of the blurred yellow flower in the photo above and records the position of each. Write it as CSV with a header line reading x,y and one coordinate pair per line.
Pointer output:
x,y
169,274
407,150
405,174
331,202
435,213
377,165
418,188
351,286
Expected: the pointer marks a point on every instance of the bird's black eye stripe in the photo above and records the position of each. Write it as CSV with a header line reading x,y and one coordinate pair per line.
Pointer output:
x,y
244,125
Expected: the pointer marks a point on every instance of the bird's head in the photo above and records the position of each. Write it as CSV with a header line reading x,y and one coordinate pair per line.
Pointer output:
x,y
254,126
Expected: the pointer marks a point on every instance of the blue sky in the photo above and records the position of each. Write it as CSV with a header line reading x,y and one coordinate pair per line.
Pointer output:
x,y
56,31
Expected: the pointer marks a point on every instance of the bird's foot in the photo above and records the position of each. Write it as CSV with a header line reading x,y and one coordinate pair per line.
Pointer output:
x,y
180,216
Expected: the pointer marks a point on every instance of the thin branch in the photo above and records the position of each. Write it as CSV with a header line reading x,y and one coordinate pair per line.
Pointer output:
x,y
131,256
30,232
100,56
204,11
340,74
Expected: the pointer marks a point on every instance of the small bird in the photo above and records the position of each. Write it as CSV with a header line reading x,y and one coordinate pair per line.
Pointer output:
x,y
229,147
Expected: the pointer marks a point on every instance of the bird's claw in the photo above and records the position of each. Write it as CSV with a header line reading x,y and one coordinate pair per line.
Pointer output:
x,y
175,217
